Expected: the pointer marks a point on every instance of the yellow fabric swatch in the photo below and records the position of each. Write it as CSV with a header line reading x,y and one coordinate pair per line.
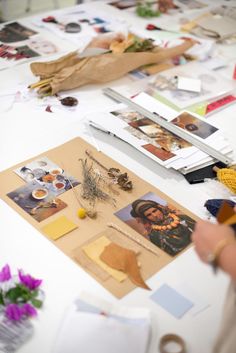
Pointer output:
x,y
59,227
94,250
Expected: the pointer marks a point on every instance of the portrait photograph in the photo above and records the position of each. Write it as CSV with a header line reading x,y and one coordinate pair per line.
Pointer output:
x,y
159,222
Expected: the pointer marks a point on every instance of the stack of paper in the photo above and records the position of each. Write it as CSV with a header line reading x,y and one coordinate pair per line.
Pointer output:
x,y
165,86
93,325
155,141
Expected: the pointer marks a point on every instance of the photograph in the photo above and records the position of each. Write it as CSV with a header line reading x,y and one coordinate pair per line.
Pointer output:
x,y
36,200
158,152
16,27
159,222
15,32
194,125
160,142
165,139
47,174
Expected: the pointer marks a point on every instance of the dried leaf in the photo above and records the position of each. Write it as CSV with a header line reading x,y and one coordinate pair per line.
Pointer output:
x,y
124,260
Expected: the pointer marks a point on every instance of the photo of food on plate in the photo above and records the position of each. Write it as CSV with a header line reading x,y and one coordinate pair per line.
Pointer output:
x,y
36,200
47,174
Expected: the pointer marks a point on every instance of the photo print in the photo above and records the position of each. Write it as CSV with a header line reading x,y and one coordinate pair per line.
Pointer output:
x,y
160,142
48,175
159,222
195,126
19,43
15,32
36,200
75,25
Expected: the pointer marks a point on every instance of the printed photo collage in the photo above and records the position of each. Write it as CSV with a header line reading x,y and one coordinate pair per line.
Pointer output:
x,y
45,181
19,43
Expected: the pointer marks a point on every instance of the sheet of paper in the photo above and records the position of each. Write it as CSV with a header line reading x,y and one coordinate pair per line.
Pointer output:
x,y
189,84
98,326
172,301
200,303
93,251
212,85
61,226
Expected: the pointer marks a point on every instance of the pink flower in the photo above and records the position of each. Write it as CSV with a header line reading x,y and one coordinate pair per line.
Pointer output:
x,y
5,273
29,281
28,310
14,312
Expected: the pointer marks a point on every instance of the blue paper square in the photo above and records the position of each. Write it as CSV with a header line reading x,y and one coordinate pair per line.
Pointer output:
x,y
175,303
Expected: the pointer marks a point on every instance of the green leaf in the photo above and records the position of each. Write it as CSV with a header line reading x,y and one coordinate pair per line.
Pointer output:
x,y
18,294
34,293
36,303
1,298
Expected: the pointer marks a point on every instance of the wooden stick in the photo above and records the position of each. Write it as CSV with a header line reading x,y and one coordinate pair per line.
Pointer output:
x,y
134,238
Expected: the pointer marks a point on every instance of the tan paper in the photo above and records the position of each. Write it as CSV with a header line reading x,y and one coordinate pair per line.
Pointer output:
x,y
95,249
89,229
71,72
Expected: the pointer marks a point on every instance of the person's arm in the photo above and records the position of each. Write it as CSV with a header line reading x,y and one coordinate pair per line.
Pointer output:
x,y
218,240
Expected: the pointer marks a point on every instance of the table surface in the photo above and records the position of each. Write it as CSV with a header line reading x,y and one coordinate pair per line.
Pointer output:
x,y
26,132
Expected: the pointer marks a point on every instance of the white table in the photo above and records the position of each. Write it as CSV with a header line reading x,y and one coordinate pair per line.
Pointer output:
x,y
26,132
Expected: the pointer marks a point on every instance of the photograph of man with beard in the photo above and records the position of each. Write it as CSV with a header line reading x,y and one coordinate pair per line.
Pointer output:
x,y
162,224
165,228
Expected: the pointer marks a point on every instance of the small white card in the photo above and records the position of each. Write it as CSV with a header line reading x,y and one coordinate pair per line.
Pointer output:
x,y
189,84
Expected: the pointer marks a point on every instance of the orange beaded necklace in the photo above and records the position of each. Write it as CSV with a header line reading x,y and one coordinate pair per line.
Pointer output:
x,y
169,226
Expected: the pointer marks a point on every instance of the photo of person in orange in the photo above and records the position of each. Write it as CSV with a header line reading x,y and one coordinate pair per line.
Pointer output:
x,y
161,223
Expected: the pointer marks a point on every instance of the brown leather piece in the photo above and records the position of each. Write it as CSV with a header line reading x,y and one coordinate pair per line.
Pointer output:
x,y
225,212
124,260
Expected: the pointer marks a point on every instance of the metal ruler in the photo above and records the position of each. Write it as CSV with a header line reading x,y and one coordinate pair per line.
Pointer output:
x,y
168,126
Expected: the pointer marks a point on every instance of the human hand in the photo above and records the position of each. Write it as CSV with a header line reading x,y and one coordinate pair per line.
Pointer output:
x,y
206,236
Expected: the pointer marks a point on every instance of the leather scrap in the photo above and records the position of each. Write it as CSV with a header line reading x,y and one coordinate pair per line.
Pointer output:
x,y
225,212
124,260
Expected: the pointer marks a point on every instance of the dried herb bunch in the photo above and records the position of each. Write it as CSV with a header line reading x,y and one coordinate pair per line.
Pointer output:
x,y
92,185
117,176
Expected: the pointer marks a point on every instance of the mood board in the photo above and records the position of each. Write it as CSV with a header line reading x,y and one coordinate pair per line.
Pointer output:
x,y
98,213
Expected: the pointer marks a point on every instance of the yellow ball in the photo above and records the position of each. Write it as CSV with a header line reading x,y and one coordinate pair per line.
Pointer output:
x,y
81,213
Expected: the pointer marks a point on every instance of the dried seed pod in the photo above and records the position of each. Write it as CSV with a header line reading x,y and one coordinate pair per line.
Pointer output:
x,y
69,101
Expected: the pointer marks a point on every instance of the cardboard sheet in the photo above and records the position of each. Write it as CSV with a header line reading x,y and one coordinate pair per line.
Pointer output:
x,y
68,155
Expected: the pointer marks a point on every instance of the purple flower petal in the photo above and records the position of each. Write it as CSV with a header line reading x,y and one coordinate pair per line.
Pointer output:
x,y
29,310
14,312
5,273
29,281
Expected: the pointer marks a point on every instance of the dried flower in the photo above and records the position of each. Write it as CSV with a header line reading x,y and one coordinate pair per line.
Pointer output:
x,y
69,101
91,187
118,177
19,295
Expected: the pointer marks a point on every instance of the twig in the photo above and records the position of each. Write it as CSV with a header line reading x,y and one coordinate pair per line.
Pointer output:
x,y
90,213
134,238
